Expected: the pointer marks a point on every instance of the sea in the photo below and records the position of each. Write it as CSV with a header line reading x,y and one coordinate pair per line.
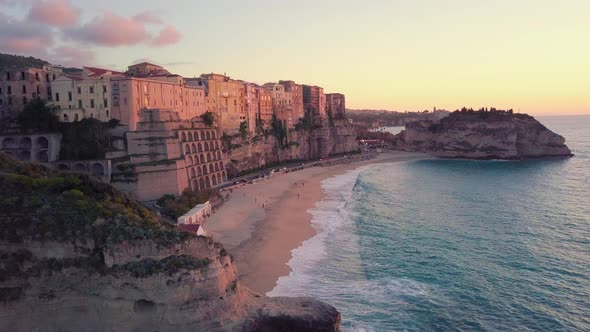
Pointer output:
x,y
455,245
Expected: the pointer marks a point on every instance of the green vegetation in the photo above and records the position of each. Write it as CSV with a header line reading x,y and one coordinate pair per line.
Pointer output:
x,y
208,118
44,205
306,122
279,132
87,139
18,61
38,116
175,207
244,129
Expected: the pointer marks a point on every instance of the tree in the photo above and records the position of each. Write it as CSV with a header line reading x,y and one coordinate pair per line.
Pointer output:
x,y
208,118
244,129
38,116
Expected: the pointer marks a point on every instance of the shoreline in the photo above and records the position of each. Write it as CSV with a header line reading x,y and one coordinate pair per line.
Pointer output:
x,y
262,223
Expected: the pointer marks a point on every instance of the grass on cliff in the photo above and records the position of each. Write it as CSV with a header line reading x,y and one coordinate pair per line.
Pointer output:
x,y
40,204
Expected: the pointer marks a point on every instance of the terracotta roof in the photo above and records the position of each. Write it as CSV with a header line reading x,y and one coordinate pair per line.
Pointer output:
x,y
100,71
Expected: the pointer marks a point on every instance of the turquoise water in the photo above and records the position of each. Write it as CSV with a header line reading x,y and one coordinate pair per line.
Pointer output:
x,y
455,245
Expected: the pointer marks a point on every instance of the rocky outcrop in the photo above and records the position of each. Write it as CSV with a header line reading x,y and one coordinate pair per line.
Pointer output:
x,y
328,139
77,255
483,135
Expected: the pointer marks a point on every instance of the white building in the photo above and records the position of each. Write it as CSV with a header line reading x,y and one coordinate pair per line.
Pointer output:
x,y
84,95
196,215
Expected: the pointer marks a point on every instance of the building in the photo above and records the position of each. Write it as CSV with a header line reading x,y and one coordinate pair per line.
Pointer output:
x,y
166,154
225,99
20,85
196,215
296,91
265,107
84,95
155,90
314,100
282,104
252,105
335,105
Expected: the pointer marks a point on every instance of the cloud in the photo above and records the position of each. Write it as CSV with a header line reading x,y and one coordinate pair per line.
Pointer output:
x,y
23,37
168,36
15,2
58,13
110,30
148,17
71,56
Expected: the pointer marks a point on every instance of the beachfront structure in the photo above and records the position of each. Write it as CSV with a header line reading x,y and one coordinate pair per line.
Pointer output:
x,y
195,229
196,215
314,100
84,95
225,99
335,105
19,85
167,155
158,89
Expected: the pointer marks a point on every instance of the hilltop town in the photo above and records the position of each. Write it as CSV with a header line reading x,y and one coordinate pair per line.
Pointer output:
x,y
150,132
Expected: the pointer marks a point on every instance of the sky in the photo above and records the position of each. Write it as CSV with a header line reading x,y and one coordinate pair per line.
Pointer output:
x,y
529,55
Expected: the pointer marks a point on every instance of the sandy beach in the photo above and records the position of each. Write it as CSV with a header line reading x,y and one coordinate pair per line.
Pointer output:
x,y
261,223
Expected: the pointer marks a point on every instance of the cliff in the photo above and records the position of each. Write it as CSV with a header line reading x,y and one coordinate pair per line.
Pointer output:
x,y
483,135
320,141
78,255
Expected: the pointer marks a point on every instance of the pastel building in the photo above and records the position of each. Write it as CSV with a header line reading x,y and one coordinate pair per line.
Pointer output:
x,y
314,100
19,85
265,107
282,104
252,105
225,99
155,90
335,105
296,91
84,95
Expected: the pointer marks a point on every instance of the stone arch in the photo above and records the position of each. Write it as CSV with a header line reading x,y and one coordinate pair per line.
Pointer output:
x,y
214,180
199,147
187,149
207,182
199,171
195,185
42,142
190,136
196,135
79,167
208,135
183,137
42,156
193,173
9,143
205,170
202,136
97,169
25,143
216,145
219,180
193,148
63,167
214,134
201,184
208,157
216,167
189,160
224,176
221,165
202,158
211,169
218,155
206,146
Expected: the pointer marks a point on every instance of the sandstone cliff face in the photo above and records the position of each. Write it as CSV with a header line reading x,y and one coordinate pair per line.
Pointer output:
x,y
74,258
322,141
483,135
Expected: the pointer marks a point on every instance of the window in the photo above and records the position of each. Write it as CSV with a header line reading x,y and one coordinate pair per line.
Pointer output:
x,y
24,89
56,96
47,77
54,77
37,76
91,103
107,114
79,103
24,100
75,117
38,90
106,103
69,96
65,117
8,76
49,92
22,75
0,101
79,90
92,115
9,90
91,89
69,106
9,100
104,89
0,90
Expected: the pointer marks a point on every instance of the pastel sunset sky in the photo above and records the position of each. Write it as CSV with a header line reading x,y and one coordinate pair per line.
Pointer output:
x,y
529,55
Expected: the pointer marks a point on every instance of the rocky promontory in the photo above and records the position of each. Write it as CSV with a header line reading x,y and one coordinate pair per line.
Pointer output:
x,y
78,255
483,135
